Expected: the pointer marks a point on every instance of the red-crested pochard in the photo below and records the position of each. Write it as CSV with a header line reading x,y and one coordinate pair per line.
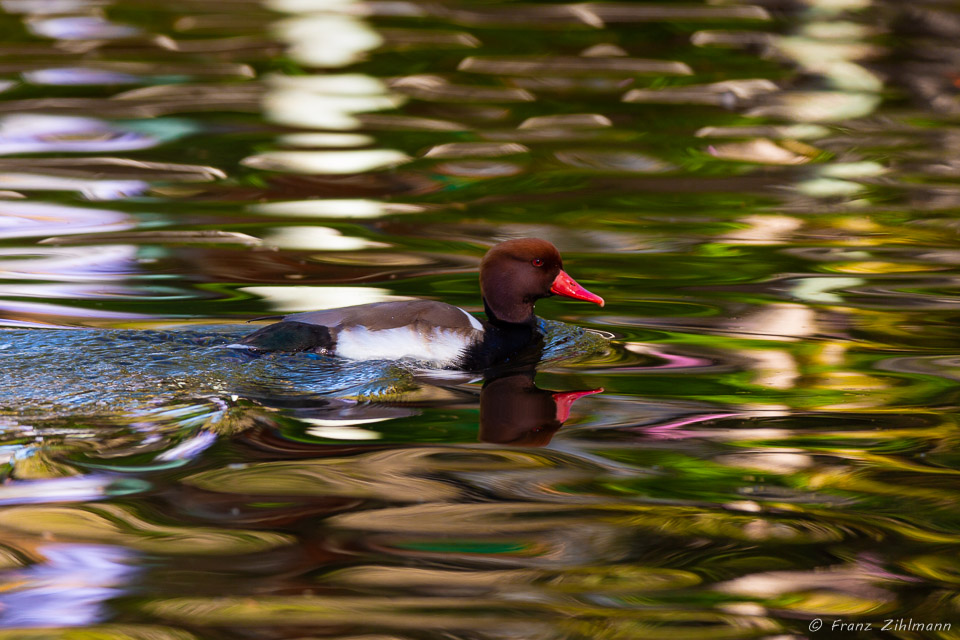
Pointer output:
x,y
513,276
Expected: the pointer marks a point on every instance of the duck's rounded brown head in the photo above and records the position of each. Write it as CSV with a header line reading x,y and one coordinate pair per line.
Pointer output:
x,y
516,273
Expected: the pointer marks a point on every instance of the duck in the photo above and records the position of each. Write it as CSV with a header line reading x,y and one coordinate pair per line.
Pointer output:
x,y
513,275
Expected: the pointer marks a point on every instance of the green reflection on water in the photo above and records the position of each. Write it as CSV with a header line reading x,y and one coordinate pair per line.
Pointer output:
x,y
776,439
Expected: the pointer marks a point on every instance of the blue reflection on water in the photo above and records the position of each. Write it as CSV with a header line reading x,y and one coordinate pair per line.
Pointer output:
x,y
69,588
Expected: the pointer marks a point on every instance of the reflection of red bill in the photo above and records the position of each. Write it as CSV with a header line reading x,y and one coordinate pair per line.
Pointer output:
x,y
564,285
565,400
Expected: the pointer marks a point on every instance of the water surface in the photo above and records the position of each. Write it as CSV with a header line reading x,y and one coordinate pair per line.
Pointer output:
x,y
764,194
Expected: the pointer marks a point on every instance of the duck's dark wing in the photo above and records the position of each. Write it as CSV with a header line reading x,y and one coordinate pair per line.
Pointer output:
x,y
290,336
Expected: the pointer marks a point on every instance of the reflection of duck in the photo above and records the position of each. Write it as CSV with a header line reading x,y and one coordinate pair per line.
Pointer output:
x,y
514,411
513,276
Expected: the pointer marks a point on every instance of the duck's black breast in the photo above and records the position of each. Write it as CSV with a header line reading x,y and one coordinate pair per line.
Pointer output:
x,y
504,342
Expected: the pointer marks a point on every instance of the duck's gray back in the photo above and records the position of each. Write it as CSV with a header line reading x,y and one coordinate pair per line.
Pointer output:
x,y
391,315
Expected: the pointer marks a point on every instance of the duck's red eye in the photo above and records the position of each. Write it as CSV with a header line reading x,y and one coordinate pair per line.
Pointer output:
x,y
537,262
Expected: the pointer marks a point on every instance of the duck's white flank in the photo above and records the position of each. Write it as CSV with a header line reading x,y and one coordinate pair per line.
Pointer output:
x,y
443,346
473,321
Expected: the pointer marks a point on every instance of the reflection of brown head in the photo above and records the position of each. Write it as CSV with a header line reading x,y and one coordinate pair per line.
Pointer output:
x,y
514,411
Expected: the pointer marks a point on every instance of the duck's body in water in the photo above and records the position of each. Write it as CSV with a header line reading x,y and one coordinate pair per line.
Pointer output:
x,y
59,372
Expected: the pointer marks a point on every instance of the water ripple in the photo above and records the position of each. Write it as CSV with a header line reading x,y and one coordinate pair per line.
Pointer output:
x,y
764,194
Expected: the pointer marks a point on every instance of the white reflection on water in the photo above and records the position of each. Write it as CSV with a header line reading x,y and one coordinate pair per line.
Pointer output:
x,y
346,432
760,151
337,208
190,448
328,40
327,162
69,588
859,580
475,150
283,298
317,238
323,140
90,189
326,102
323,35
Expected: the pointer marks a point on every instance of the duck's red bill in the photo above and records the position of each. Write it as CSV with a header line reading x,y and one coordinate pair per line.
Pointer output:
x,y
564,285
565,400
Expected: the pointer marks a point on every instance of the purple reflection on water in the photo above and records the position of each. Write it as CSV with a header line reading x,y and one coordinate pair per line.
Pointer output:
x,y
19,219
46,309
671,360
72,489
23,133
80,291
89,263
81,28
675,431
68,589
675,361
68,76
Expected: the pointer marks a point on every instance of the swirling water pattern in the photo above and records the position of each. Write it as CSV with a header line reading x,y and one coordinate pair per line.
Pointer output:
x,y
761,433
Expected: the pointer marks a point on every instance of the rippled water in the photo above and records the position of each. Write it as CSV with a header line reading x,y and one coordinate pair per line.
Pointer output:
x,y
755,437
